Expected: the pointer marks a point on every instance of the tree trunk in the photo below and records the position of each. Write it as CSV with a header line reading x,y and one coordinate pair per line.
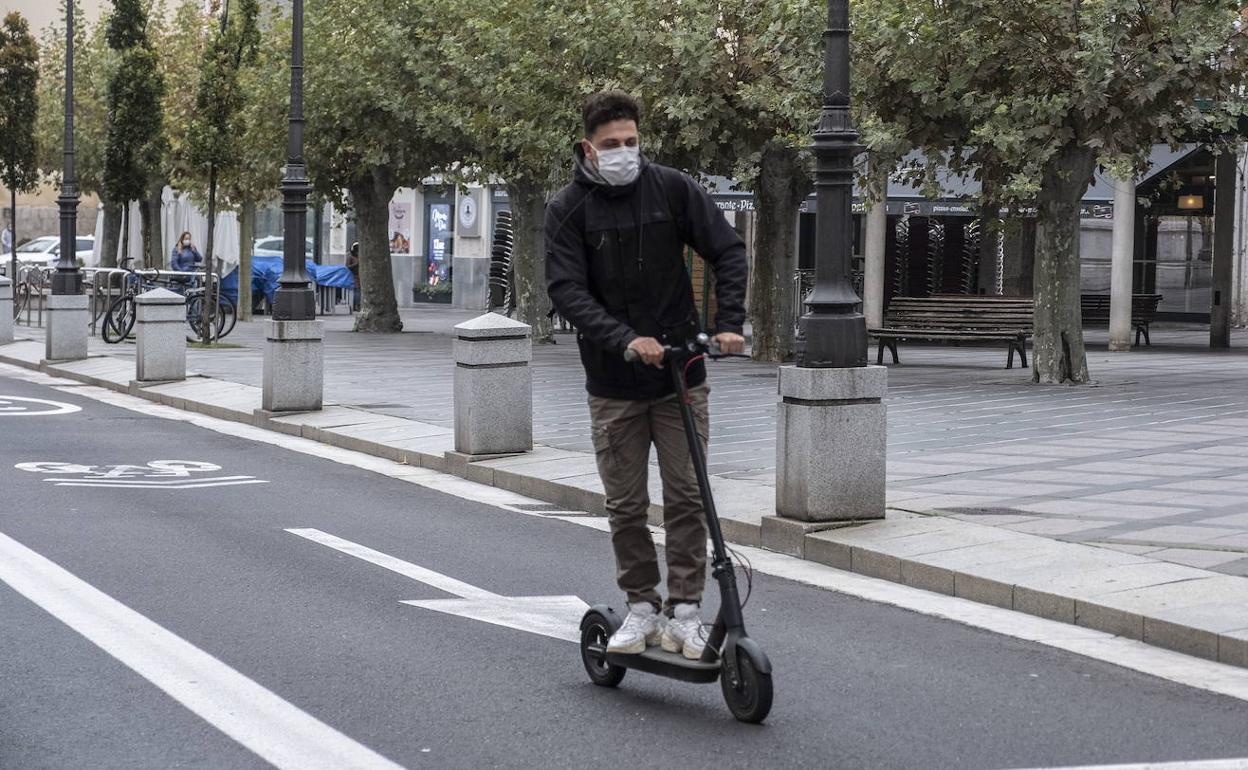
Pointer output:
x,y
111,235
125,234
1059,354
528,210
370,195
209,303
13,238
145,228
782,185
153,241
246,238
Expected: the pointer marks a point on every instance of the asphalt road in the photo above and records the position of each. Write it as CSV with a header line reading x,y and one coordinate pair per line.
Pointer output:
x,y
858,685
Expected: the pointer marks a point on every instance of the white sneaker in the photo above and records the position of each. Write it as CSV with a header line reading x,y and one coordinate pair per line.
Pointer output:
x,y
684,633
643,627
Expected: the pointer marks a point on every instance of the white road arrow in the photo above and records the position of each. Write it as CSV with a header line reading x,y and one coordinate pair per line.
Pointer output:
x,y
555,616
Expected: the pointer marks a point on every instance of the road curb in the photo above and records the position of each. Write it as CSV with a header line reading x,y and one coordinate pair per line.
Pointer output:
x,y
1192,611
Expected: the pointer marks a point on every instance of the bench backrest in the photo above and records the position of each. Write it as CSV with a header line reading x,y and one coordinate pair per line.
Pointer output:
x,y
955,311
1095,307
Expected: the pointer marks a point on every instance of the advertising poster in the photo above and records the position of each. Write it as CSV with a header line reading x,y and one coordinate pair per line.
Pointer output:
x,y
400,228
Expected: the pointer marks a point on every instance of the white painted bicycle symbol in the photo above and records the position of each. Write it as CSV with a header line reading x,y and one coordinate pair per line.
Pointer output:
x,y
17,406
157,474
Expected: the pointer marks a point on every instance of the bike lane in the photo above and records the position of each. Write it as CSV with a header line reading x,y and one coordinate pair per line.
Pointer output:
x,y
131,512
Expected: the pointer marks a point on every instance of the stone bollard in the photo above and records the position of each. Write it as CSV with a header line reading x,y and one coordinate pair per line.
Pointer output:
x,y
493,386
6,311
294,367
830,444
160,323
68,320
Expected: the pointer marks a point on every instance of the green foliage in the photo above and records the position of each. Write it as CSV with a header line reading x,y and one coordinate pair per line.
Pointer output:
x,y
379,90
93,66
181,50
261,139
135,142
211,140
1011,84
19,107
526,68
724,78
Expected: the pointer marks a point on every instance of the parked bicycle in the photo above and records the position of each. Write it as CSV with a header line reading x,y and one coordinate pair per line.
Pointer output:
x,y
121,314
223,320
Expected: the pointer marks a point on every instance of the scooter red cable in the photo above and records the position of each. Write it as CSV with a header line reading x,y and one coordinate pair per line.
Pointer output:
x,y
685,373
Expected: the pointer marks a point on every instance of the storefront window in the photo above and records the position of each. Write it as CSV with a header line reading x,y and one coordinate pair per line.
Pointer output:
x,y
440,240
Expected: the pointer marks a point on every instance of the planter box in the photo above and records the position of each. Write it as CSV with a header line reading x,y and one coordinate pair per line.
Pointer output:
x,y
440,298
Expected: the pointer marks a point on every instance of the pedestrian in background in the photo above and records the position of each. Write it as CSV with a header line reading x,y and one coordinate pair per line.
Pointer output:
x,y
353,264
185,257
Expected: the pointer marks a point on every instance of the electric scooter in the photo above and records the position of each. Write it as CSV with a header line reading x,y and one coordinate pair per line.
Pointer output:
x,y
737,661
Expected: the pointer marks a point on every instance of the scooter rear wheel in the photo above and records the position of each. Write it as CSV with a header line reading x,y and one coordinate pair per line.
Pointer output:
x,y
750,699
595,631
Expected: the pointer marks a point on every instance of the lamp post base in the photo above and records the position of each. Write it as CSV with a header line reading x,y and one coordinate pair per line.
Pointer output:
x,y
294,304
68,319
832,341
294,367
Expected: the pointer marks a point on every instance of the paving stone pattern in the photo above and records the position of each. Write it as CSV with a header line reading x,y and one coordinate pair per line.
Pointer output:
x,y
1152,459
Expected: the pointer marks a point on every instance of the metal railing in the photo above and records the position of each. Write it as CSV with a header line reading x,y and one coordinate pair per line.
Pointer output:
x,y
102,285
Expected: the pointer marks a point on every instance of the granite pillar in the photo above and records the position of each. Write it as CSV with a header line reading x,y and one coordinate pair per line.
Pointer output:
x,y
830,444
294,367
160,323
493,386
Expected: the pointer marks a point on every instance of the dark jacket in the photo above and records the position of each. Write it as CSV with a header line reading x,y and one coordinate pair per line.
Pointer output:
x,y
615,269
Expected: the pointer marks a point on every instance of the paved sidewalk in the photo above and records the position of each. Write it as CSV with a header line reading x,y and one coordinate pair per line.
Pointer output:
x,y
1061,502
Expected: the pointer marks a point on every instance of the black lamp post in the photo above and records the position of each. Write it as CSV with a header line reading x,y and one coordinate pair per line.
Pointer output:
x,y
295,300
835,331
68,279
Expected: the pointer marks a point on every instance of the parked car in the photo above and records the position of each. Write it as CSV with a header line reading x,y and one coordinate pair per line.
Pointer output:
x,y
273,245
46,249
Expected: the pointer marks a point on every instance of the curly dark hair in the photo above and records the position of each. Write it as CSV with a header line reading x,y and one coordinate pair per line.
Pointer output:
x,y
606,106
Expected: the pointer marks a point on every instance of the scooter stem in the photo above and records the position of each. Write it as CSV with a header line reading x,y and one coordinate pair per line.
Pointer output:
x,y
699,462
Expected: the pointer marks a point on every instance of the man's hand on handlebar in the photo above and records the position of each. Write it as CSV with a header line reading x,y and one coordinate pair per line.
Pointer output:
x,y
649,349
729,343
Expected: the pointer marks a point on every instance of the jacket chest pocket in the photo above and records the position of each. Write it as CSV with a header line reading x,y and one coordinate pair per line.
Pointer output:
x,y
605,270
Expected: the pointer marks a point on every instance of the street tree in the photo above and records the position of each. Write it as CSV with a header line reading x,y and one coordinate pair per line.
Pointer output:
x,y
732,88
92,68
261,139
212,149
377,96
1037,93
135,145
19,108
529,65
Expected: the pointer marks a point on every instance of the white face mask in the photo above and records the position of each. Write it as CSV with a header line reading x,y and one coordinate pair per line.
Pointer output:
x,y
619,167
186,242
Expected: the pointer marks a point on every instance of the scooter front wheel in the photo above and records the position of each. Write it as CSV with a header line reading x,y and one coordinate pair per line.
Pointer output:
x,y
748,698
596,629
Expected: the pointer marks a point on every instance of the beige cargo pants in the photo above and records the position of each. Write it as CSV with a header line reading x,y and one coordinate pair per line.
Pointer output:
x,y
623,433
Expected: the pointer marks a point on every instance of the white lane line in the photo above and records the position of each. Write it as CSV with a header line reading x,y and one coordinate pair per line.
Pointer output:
x,y
152,483
1182,669
279,732
141,485
407,569
1195,764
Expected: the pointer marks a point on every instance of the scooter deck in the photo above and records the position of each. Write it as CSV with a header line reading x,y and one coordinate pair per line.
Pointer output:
x,y
673,665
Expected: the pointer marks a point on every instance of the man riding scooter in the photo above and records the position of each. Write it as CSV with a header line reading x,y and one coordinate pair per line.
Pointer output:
x,y
615,268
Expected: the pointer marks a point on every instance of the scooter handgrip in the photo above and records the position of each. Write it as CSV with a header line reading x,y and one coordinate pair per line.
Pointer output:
x,y
631,356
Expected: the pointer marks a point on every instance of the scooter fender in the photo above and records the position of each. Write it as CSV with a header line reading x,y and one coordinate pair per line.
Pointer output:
x,y
751,648
601,609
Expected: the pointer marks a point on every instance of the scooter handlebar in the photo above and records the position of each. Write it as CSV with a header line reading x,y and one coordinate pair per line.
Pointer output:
x,y
700,345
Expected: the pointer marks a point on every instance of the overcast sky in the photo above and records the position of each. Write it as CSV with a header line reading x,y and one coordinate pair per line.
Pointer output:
x,y
40,13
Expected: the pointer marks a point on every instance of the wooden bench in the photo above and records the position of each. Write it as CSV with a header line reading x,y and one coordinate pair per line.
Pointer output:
x,y
1143,310
958,318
